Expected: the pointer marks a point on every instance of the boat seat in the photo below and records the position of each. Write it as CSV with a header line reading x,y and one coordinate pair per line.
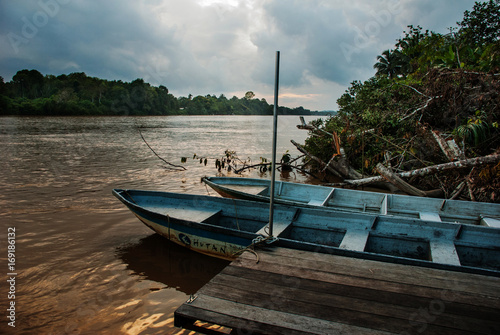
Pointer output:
x,y
490,222
264,191
384,205
429,216
444,252
278,228
211,215
321,202
200,215
355,239
315,202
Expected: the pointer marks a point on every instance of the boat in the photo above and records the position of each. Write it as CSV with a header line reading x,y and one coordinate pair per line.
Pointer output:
x,y
354,201
224,227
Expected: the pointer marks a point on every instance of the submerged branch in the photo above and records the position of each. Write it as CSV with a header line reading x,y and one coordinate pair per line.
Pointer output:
x,y
176,167
318,160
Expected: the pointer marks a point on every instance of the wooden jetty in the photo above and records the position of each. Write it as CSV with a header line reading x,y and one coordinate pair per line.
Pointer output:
x,y
300,292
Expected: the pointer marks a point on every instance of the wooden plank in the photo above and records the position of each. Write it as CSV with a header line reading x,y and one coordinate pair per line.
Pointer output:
x,y
355,239
429,216
389,293
296,292
339,306
369,290
443,251
384,271
319,270
186,316
263,320
412,275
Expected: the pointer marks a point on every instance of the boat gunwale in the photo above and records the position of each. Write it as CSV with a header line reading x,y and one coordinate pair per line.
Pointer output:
x,y
312,210
303,245
446,215
325,249
182,222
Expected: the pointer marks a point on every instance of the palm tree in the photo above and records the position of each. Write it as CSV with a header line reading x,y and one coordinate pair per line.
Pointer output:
x,y
391,63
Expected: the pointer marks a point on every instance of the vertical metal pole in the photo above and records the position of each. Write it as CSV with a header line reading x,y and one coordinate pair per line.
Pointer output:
x,y
275,130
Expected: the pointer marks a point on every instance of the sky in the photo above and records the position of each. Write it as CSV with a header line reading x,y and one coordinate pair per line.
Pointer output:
x,y
228,47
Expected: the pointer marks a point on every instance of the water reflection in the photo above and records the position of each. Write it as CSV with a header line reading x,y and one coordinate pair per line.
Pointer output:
x,y
85,263
157,259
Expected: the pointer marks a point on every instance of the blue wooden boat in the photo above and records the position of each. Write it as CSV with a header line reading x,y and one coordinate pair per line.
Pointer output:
x,y
223,227
354,201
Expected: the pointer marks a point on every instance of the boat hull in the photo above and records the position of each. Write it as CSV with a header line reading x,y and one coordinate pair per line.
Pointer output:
x,y
218,245
206,240
354,201
223,227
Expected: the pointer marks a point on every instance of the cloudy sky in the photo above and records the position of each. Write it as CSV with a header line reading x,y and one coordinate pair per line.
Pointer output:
x,y
216,47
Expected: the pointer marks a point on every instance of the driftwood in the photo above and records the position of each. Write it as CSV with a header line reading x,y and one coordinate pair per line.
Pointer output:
x,y
404,186
278,166
175,167
339,168
464,163
449,148
304,125
338,164
458,190
318,160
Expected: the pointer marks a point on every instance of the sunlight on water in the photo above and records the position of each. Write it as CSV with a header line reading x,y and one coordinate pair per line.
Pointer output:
x,y
86,265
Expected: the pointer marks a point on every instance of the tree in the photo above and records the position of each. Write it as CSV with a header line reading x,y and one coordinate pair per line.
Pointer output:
x,y
413,45
482,25
249,95
3,99
391,63
163,88
28,83
410,42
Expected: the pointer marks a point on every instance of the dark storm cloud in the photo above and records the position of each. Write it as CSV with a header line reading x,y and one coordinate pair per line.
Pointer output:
x,y
215,46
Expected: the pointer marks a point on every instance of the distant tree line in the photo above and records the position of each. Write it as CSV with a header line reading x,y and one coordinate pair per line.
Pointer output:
x,y
31,93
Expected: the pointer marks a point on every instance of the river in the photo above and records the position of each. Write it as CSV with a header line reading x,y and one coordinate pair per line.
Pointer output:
x,y
83,264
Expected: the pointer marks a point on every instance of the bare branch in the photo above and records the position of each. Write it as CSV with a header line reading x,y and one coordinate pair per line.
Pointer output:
x,y
464,163
177,167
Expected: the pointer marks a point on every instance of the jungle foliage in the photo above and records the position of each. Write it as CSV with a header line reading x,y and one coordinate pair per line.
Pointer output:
x,y
31,93
449,83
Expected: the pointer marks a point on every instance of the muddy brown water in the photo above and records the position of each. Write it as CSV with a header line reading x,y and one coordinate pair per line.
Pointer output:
x,y
83,263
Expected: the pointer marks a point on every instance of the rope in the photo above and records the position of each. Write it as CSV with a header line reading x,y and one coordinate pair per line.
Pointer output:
x,y
206,187
249,250
256,241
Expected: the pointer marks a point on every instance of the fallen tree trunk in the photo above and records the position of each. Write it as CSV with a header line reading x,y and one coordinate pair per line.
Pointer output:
x,y
404,186
464,163
318,160
457,191
340,168
449,148
306,126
